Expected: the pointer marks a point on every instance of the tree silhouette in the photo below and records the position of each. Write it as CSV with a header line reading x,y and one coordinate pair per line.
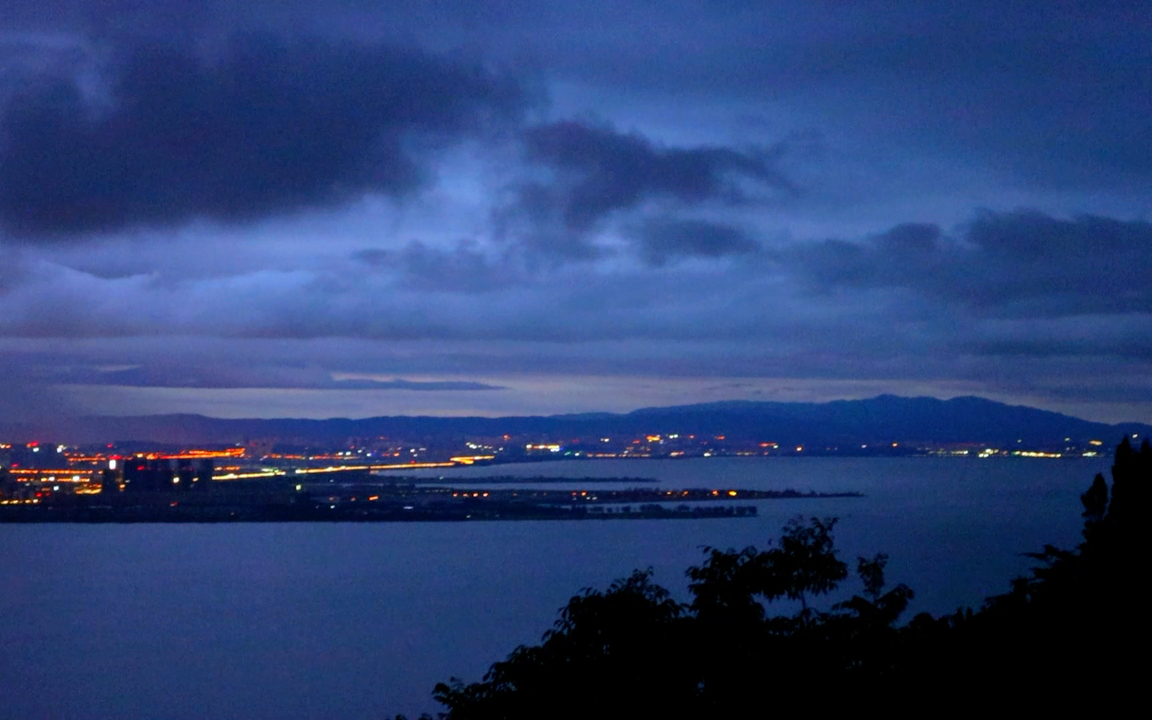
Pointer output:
x,y
1095,502
632,651
1080,614
616,653
806,562
635,652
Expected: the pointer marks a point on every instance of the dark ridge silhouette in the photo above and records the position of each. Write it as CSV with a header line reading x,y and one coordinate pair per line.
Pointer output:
x,y
881,419
1071,635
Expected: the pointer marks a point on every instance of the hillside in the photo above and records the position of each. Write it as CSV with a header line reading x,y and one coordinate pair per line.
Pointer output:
x,y
886,418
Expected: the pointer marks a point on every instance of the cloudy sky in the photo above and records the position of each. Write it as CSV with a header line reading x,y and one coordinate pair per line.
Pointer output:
x,y
320,209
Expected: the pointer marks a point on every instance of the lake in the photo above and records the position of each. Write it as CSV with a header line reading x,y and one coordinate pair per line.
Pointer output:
x,y
351,621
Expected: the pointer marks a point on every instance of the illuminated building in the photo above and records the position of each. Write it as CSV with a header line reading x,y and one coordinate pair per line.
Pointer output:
x,y
142,474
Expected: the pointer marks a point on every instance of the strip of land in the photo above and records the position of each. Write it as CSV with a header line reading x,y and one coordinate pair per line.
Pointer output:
x,y
281,501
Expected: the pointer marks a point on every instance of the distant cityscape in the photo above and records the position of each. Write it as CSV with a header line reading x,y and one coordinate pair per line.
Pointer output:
x,y
183,468
35,472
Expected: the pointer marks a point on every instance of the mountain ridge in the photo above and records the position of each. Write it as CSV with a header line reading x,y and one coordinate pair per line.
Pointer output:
x,y
884,418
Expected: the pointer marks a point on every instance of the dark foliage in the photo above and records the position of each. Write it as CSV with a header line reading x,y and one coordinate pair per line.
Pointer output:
x,y
1079,615
632,651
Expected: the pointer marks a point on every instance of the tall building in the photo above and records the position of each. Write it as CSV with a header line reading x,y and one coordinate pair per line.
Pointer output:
x,y
204,470
144,475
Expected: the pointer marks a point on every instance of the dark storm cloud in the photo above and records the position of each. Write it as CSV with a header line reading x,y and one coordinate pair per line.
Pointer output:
x,y
1054,95
1016,264
662,240
265,127
597,171
609,170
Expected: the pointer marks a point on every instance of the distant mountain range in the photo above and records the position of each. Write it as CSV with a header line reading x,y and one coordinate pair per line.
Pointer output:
x,y
886,418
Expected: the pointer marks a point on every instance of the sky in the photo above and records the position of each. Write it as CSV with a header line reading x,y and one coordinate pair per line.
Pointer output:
x,y
350,208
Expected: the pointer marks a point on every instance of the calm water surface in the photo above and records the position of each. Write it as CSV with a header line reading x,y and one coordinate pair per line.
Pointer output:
x,y
349,621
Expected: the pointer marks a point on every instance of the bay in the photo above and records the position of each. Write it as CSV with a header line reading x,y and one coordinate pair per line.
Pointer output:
x,y
349,621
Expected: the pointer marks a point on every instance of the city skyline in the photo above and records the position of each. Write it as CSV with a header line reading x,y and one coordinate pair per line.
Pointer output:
x,y
324,210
